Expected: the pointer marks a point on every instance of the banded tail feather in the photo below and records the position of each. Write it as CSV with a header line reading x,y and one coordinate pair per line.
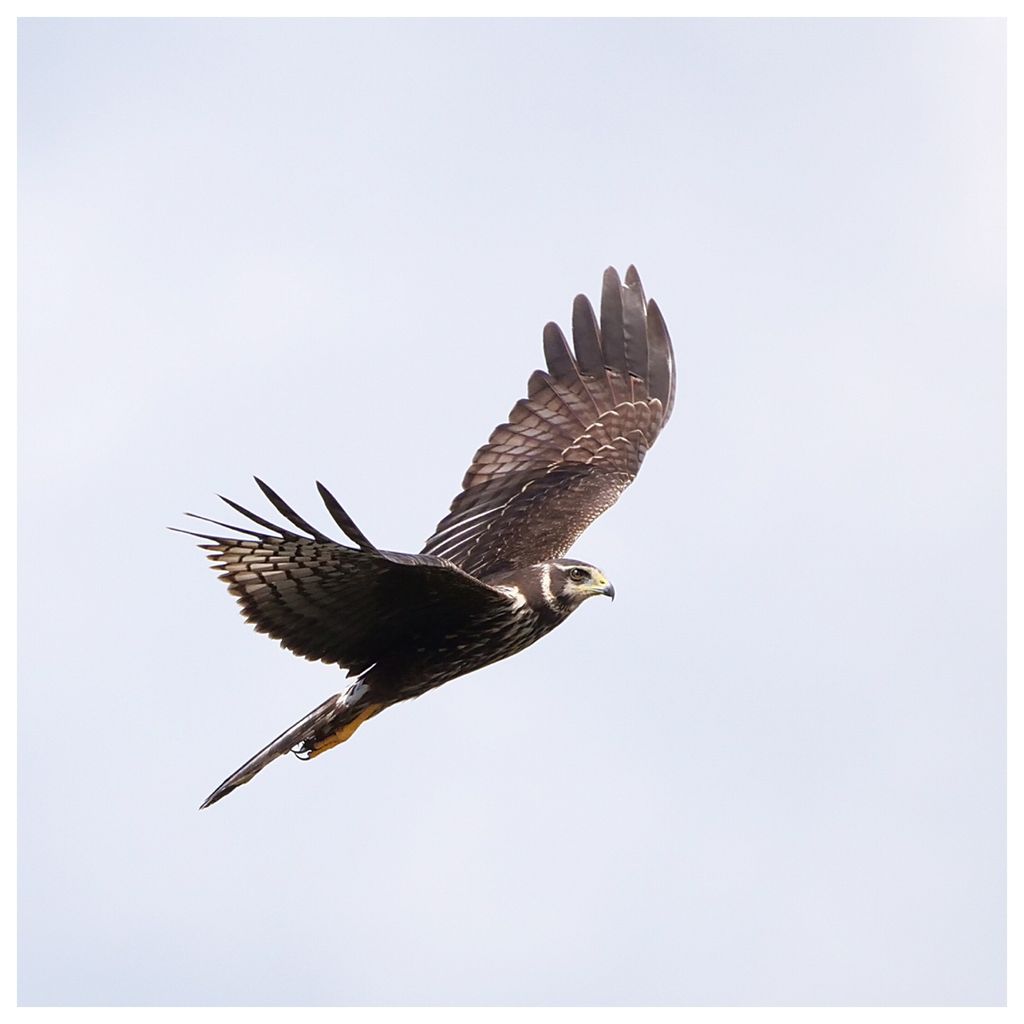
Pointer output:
x,y
324,727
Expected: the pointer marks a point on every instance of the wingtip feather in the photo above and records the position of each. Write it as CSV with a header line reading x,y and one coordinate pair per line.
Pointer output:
x,y
344,520
586,339
290,514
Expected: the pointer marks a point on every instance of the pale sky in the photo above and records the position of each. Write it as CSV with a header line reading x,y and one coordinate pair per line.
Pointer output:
x,y
772,772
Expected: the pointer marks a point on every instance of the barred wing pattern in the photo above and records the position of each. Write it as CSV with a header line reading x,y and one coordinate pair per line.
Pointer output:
x,y
573,445
353,607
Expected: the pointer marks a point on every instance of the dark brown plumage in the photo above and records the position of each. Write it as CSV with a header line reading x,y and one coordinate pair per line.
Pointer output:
x,y
493,578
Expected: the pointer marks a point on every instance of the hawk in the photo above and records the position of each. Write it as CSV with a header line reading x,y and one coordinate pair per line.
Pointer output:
x,y
493,578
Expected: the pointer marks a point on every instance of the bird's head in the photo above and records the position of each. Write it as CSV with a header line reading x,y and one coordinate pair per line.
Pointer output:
x,y
572,582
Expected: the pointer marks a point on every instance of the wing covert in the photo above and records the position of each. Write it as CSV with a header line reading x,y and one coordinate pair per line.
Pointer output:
x,y
353,607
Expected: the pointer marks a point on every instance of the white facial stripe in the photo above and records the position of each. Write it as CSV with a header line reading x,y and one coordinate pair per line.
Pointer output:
x,y
545,586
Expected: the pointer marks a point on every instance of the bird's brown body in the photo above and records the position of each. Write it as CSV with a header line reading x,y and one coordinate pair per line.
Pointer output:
x,y
493,578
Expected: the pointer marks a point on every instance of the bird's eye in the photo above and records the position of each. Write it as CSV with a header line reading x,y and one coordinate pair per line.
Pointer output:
x,y
578,575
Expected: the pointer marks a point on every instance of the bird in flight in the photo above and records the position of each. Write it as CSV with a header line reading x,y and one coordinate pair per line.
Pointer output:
x,y
493,578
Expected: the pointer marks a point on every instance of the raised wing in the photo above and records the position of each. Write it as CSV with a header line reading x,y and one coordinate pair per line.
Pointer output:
x,y
574,444
348,606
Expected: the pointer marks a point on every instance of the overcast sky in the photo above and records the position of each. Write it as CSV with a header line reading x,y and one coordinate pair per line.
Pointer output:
x,y
772,771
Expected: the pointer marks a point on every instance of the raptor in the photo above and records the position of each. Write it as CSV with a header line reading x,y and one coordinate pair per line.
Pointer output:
x,y
493,578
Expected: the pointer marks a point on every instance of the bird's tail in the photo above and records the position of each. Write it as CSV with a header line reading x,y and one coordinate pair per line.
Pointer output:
x,y
324,727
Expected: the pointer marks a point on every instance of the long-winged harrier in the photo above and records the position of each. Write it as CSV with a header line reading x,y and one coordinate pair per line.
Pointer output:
x,y
493,577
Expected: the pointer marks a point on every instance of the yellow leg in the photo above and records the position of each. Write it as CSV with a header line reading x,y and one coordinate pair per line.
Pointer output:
x,y
347,729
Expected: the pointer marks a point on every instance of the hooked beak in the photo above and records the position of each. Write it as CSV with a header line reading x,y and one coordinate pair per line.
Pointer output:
x,y
602,586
